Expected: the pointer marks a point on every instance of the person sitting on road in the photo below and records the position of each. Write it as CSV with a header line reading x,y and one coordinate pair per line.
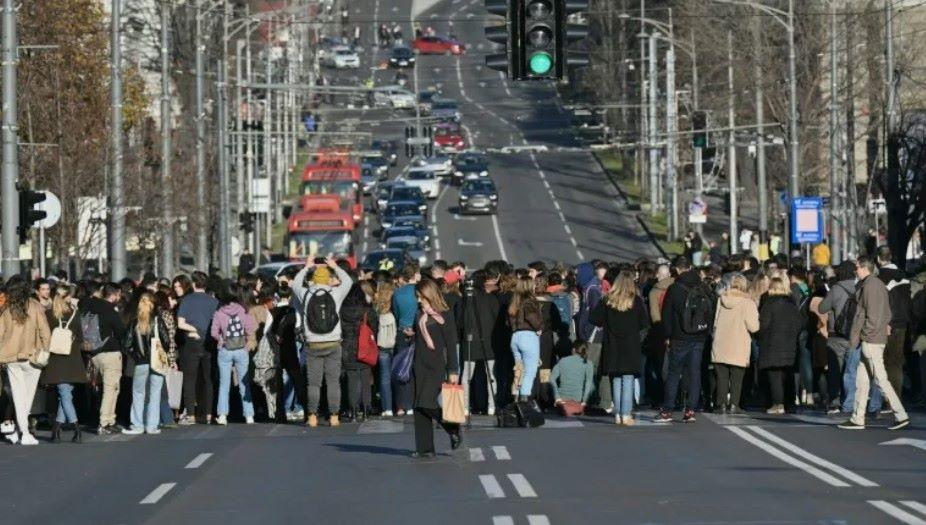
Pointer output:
x,y
572,381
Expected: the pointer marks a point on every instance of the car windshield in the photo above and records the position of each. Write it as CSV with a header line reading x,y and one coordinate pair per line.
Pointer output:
x,y
322,243
478,185
384,191
404,231
444,104
345,52
375,161
407,194
383,260
405,209
403,243
446,131
402,52
420,175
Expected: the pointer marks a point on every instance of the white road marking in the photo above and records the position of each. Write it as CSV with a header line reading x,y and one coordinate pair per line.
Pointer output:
x,y
461,242
366,220
810,469
568,229
504,82
459,217
502,520
546,184
538,519
475,454
915,505
437,245
498,238
501,453
491,486
522,486
364,247
198,460
797,451
556,205
896,512
155,495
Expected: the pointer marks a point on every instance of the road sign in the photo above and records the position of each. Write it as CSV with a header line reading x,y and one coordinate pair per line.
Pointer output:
x,y
806,220
260,195
52,208
697,211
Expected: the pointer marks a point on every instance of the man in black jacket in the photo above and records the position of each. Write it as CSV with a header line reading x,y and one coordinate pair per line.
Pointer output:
x,y
684,347
107,358
899,296
480,310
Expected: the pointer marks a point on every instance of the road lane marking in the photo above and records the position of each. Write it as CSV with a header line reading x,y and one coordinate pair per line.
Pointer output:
x,y
810,469
491,486
198,460
896,512
504,82
155,495
798,451
524,488
475,454
461,242
915,505
501,453
502,520
498,238
459,217
568,230
538,519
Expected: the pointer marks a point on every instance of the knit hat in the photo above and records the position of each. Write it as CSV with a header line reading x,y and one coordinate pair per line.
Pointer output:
x,y
321,275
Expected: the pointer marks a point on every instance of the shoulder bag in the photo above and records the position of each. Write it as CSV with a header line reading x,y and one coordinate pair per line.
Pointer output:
x,y
160,363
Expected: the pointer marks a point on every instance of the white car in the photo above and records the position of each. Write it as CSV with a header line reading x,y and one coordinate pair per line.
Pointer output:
x,y
442,165
424,179
394,96
343,57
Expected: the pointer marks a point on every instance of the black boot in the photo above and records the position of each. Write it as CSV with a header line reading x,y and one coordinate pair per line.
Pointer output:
x,y
56,432
456,438
77,438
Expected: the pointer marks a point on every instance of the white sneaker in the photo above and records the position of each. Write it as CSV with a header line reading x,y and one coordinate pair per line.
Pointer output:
x,y
133,431
7,427
12,437
28,439
491,411
249,420
153,431
609,410
410,413
387,413
221,420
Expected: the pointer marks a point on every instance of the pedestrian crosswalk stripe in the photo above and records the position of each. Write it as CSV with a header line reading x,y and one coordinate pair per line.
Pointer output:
x,y
810,469
155,495
524,488
538,519
501,453
896,512
475,454
915,505
491,486
502,520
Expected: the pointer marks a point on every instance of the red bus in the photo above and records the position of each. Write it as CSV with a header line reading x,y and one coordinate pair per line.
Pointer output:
x,y
320,233
335,177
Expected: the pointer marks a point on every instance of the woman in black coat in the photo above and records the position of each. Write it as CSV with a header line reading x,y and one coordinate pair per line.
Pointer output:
x,y
357,306
780,325
64,371
624,318
435,361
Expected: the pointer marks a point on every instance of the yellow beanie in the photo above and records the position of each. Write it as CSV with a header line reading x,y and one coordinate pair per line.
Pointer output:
x,y
321,275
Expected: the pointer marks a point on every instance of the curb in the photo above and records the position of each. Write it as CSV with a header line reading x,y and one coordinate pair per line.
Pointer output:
x,y
626,199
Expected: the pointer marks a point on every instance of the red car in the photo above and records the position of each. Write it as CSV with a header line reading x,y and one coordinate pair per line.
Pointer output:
x,y
437,45
449,137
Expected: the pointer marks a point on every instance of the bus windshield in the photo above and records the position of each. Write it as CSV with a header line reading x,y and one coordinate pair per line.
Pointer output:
x,y
345,189
320,243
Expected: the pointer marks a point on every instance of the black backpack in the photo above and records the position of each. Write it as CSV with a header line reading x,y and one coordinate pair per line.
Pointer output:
x,y
321,312
698,313
842,325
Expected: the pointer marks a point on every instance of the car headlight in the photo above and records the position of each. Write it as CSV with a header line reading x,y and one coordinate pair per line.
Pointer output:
x,y
458,174
493,196
427,238
422,259
460,143
423,207
387,225
483,173
393,59
464,197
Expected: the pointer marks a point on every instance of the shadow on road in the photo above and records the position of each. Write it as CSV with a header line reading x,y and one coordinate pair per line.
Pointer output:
x,y
370,449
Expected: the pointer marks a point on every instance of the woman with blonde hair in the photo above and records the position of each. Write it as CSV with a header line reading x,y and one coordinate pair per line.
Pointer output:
x,y
385,339
23,331
779,326
435,361
624,320
526,321
64,371
735,319
146,332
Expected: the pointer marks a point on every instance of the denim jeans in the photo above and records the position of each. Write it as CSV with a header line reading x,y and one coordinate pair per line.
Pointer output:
x,y
804,364
290,399
684,358
525,345
66,411
238,359
385,380
622,388
146,398
853,356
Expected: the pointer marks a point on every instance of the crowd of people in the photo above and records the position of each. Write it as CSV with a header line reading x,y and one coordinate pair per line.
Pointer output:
x,y
330,343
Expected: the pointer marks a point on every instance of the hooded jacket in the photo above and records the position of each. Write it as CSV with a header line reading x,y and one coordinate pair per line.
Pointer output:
x,y
222,317
656,295
592,292
899,295
736,317
673,307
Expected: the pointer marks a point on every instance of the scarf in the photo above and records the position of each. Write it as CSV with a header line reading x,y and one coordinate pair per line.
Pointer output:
x,y
423,324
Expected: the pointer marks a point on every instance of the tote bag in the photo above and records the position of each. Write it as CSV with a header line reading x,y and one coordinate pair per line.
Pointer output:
x,y
160,363
402,363
453,407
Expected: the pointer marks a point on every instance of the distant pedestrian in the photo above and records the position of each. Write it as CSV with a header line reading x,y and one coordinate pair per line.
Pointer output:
x,y
146,330
737,317
64,372
779,327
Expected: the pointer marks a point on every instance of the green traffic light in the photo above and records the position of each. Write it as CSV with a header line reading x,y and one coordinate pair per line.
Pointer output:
x,y
541,63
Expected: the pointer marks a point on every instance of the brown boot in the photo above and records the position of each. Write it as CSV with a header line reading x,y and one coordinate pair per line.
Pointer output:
x,y
313,421
334,420
516,384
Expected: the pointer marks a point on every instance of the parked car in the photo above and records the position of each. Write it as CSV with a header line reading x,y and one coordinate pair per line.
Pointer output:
x,y
438,45
478,195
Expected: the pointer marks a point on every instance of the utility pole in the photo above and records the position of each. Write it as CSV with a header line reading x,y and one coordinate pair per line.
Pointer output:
x,y
167,206
671,142
760,141
794,184
835,200
653,154
268,141
643,125
731,147
224,197
889,71
202,242
252,158
239,142
850,230
698,152
10,196
117,254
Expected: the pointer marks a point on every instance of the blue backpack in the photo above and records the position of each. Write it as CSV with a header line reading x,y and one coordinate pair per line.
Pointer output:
x,y
564,306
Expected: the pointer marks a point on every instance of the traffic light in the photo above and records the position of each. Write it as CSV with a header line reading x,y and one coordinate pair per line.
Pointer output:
x,y
566,34
698,125
28,216
537,49
246,221
506,35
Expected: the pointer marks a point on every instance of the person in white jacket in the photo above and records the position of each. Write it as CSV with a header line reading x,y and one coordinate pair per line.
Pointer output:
x,y
322,349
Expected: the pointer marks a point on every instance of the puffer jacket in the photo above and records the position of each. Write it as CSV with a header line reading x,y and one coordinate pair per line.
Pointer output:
x,y
780,323
351,315
736,317
18,342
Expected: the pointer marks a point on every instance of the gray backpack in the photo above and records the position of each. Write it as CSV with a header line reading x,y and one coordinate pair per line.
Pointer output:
x,y
90,329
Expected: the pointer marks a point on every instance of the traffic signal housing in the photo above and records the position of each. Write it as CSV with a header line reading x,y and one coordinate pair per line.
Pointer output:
x,y
506,35
28,215
246,221
568,33
698,127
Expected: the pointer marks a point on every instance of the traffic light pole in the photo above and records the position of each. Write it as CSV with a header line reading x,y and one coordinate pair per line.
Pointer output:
x,y
224,197
167,206
760,143
117,252
653,154
10,172
731,152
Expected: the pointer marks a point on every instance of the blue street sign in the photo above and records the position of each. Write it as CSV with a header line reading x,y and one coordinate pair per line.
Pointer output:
x,y
806,220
